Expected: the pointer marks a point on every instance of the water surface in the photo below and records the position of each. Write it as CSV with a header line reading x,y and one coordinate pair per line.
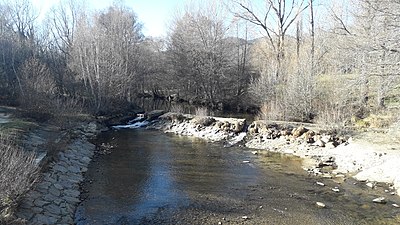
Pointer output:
x,y
155,178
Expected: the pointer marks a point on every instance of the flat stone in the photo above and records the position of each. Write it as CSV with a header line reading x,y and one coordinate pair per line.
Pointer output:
x,y
67,220
66,184
58,186
72,193
320,204
395,205
40,203
74,169
76,179
49,197
60,168
320,183
54,191
37,210
42,219
57,201
85,160
72,200
53,209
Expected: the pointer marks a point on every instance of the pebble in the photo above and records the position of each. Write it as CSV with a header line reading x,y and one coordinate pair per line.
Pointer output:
x,y
320,204
395,205
254,152
380,200
335,189
245,217
320,183
246,161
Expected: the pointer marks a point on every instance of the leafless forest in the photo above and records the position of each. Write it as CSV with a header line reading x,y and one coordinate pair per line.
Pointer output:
x,y
301,60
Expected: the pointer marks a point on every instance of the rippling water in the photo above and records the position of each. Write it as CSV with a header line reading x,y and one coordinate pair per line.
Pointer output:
x,y
155,178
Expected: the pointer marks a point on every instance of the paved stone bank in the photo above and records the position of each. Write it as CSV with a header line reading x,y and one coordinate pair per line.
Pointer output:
x,y
55,197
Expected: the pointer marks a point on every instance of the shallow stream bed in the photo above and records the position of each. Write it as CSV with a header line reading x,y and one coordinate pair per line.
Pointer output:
x,y
155,178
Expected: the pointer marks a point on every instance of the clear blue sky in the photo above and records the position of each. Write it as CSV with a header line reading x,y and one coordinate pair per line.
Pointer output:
x,y
154,14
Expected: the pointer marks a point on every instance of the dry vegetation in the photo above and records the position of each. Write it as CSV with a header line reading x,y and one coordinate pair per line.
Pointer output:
x,y
18,171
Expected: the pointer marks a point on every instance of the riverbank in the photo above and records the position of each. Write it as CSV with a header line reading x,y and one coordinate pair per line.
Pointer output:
x,y
325,153
62,156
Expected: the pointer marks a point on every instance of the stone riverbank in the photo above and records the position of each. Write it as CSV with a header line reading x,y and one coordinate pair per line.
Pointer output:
x,y
54,197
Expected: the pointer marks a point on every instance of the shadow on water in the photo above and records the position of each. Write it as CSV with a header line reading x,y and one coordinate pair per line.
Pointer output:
x,y
154,178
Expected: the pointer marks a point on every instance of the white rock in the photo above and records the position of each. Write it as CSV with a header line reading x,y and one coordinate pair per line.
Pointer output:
x,y
245,217
246,161
320,204
380,200
335,189
395,205
254,152
320,183
369,184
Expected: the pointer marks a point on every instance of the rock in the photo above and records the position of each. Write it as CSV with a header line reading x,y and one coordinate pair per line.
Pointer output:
x,y
53,209
395,205
326,175
60,168
72,193
309,136
320,204
54,191
319,143
297,132
335,189
245,217
74,169
320,183
246,161
369,184
154,114
58,186
254,152
40,203
380,200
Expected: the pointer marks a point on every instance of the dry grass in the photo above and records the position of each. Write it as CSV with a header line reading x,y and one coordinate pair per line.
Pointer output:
x,y
202,111
175,108
18,171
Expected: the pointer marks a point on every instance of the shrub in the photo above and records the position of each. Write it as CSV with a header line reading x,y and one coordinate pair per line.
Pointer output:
x,y
202,111
18,171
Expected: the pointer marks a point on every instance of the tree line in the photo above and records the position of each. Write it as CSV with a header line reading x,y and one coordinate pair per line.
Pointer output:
x,y
297,60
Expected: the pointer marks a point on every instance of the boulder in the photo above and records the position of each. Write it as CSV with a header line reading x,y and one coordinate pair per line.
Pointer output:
x,y
297,132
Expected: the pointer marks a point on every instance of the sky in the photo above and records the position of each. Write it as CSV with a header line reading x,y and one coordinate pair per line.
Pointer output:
x,y
153,14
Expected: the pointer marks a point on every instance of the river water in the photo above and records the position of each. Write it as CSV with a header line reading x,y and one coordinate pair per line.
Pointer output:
x,y
155,178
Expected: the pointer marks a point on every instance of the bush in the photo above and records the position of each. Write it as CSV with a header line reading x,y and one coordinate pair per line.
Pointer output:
x,y
18,171
202,112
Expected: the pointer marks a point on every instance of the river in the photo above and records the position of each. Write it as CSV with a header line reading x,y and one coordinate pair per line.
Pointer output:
x,y
155,178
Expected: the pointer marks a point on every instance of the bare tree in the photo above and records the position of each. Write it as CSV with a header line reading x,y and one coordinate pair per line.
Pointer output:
x,y
275,20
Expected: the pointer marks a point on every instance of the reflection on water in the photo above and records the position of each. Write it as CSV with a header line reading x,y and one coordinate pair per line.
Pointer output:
x,y
150,172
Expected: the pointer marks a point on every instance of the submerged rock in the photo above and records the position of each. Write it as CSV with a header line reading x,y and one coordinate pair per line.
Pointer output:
x,y
320,204
380,200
